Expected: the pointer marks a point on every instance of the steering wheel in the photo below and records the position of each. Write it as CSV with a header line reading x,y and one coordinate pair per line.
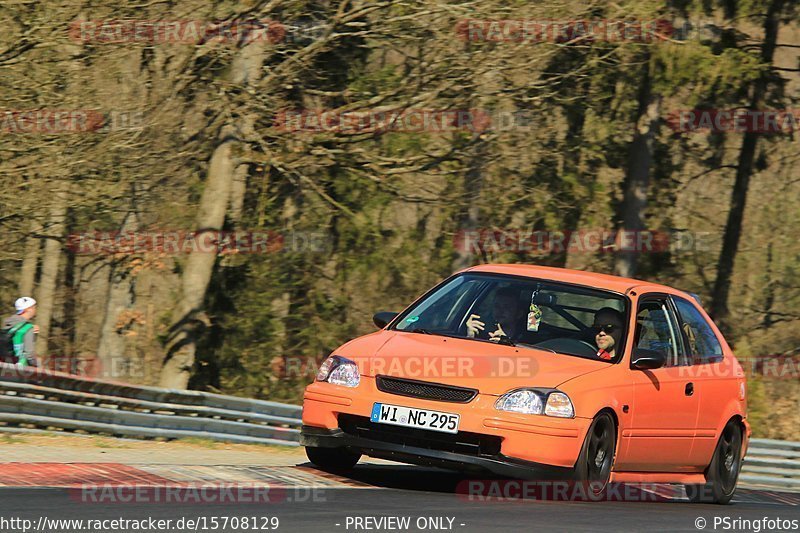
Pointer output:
x,y
569,345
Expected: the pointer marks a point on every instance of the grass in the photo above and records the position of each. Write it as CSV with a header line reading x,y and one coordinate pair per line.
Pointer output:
x,y
774,408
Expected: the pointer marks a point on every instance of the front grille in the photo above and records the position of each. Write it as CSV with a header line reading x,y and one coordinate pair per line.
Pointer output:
x,y
463,442
425,390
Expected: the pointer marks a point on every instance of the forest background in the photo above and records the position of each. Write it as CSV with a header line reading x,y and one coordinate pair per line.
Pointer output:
x,y
114,126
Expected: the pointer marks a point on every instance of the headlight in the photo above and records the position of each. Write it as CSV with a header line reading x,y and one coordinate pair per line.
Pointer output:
x,y
524,401
339,371
536,402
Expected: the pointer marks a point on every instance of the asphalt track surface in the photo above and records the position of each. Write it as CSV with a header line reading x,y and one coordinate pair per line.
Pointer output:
x,y
430,498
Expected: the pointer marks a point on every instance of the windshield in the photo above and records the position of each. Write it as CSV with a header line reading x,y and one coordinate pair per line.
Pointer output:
x,y
546,315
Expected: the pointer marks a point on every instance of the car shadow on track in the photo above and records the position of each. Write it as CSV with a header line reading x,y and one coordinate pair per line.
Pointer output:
x,y
404,477
431,479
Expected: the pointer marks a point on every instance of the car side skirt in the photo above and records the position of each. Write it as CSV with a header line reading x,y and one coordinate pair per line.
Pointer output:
x,y
658,477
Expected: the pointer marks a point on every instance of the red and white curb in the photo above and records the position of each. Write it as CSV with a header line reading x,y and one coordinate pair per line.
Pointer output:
x,y
82,474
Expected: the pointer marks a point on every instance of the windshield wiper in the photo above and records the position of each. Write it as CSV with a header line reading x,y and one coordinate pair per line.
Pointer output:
x,y
421,330
504,340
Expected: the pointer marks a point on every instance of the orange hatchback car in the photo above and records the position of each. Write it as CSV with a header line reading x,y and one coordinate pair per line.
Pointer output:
x,y
532,372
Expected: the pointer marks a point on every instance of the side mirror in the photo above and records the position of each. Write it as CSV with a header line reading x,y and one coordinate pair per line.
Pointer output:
x,y
644,359
382,318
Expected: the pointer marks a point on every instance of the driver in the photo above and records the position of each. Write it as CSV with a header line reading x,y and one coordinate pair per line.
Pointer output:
x,y
506,312
607,327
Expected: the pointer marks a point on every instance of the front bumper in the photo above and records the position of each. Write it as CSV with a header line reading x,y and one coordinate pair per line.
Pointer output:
x,y
496,464
521,445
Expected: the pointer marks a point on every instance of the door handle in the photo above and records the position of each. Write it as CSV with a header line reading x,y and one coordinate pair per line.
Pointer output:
x,y
689,390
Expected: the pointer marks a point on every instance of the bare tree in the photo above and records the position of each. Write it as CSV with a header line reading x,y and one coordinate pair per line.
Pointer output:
x,y
222,175
638,170
744,170
46,295
30,261
111,347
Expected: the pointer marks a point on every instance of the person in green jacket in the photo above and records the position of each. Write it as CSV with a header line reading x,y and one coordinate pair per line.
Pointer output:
x,y
22,332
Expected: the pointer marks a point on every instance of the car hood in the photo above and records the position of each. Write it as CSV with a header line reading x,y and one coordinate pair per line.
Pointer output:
x,y
488,367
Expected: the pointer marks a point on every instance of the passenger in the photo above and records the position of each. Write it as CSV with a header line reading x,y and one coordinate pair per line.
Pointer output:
x,y
607,326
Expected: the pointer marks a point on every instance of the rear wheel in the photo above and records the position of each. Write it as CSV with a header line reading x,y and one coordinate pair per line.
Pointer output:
x,y
332,458
723,472
593,467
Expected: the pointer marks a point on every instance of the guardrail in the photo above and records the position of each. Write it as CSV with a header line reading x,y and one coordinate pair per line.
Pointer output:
x,y
34,399
772,463
43,399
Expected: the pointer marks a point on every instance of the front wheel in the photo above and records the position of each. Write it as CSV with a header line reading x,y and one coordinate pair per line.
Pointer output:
x,y
593,467
332,458
723,472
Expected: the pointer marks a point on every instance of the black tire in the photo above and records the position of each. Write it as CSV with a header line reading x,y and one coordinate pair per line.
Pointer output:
x,y
593,467
723,472
332,458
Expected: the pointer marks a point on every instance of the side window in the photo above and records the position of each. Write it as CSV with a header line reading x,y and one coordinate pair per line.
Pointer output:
x,y
656,329
701,343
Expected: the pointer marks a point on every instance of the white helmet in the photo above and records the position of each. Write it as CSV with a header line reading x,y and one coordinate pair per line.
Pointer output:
x,y
24,303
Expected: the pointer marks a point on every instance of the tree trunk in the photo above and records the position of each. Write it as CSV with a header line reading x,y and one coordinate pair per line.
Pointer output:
x,y
111,349
576,119
199,267
470,217
191,320
30,262
46,296
637,176
67,362
91,286
769,290
238,190
744,170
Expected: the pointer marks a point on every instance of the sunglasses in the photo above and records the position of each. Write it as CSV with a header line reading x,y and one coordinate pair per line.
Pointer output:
x,y
607,328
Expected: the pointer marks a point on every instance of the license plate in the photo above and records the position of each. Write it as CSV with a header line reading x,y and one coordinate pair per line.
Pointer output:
x,y
396,415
